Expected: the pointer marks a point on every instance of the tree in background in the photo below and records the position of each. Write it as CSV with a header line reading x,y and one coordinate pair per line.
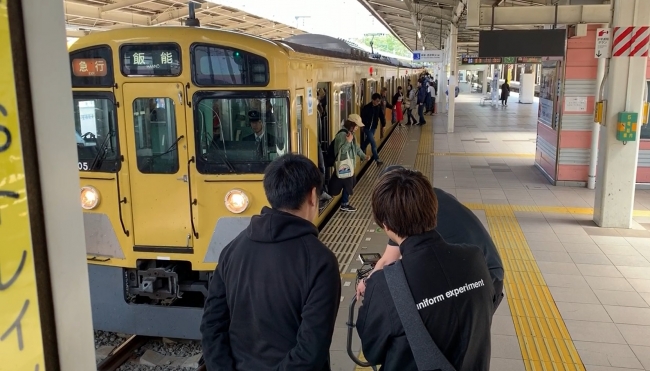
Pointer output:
x,y
386,43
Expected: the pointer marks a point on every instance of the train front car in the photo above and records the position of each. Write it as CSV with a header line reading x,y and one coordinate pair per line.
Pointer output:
x,y
168,122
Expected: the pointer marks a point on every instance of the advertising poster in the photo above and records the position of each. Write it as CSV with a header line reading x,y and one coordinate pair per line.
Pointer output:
x,y
547,93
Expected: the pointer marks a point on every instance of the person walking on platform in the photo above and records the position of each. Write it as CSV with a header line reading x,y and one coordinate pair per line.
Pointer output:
x,y
261,315
457,225
422,101
371,116
505,93
438,296
385,104
410,102
346,152
397,104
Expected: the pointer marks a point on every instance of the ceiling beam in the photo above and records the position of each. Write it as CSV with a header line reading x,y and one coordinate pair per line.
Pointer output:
x,y
478,16
119,4
176,14
86,11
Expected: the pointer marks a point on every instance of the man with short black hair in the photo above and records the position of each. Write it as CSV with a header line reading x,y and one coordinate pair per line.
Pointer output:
x,y
274,296
450,284
457,225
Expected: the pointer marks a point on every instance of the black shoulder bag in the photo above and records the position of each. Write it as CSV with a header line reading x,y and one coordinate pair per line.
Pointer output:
x,y
428,356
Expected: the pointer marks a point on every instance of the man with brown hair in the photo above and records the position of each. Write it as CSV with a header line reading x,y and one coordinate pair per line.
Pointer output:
x,y
450,284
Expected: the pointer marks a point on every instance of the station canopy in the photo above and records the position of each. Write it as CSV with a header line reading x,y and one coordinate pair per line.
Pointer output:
x,y
87,16
417,23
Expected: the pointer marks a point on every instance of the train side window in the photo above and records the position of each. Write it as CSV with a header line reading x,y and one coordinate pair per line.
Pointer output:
x,y
154,121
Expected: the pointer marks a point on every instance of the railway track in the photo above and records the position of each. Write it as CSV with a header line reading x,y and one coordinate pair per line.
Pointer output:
x,y
122,352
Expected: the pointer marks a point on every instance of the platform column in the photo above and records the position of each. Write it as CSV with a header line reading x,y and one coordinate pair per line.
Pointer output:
x,y
453,77
617,162
442,85
595,132
486,73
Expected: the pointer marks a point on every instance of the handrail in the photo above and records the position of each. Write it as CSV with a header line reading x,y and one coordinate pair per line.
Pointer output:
x,y
193,202
119,198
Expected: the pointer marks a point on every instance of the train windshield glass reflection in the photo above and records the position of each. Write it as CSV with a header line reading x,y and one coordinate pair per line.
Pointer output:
x,y
240,135
97,145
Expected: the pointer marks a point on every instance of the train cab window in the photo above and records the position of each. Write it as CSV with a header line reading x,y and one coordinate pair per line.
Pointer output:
x,y
220,66
156,140
95,130
241,134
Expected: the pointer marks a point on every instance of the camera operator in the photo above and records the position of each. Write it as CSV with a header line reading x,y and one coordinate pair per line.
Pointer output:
x,y
457,225
433,308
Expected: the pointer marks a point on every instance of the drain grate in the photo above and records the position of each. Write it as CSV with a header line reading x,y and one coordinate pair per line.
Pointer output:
x,y
344,230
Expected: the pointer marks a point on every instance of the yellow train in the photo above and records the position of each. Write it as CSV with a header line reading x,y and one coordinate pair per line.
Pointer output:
x,y
168,171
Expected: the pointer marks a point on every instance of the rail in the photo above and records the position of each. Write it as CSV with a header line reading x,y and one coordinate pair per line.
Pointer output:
x,y
122,353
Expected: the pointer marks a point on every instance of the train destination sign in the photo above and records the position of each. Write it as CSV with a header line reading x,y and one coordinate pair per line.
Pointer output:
x,y
151,60
500,60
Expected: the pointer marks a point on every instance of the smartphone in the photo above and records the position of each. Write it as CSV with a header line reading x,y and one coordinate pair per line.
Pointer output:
x,y
369,258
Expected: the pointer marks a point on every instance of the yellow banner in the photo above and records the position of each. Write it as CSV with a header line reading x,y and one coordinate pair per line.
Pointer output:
x,y
21,341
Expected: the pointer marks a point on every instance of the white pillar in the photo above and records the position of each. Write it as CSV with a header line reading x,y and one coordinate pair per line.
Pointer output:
x,y
442,86
453,79
617,163
595,132
527,85
486,73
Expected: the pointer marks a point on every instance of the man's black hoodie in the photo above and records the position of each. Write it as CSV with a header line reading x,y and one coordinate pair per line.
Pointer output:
x,y
273,299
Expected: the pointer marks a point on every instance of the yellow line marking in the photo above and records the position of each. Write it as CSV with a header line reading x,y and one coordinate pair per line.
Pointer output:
x,y
363,359
550,209
484,154
349,276
544,340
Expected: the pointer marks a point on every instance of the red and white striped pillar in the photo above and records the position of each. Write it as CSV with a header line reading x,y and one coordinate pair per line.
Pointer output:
x,y
617,161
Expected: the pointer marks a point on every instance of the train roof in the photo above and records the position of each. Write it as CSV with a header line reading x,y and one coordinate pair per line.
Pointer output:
x,y
313,44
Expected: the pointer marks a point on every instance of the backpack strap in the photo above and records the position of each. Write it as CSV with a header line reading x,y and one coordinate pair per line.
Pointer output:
x,y
425,351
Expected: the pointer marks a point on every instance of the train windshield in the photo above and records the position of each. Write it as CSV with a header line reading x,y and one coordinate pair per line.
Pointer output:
x,y
95,130
242,133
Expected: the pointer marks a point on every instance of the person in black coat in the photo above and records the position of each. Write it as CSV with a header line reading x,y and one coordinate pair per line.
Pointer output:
x,y
259,314
457,225
505,93
450,284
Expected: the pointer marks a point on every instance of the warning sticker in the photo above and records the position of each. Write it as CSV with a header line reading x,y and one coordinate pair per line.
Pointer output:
x,y
21,341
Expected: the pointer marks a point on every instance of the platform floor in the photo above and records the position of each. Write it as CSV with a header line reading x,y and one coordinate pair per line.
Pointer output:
x,y
577,296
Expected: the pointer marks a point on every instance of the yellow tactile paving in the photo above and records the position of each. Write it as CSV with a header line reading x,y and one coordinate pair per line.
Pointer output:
x,y
483,154
552,209
544,340
423,161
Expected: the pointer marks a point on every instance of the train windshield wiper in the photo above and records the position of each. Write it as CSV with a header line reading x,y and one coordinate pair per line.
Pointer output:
x,y
223,157
101,154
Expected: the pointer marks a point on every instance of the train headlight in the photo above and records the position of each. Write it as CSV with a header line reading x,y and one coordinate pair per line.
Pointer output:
x,y
89,197
236,201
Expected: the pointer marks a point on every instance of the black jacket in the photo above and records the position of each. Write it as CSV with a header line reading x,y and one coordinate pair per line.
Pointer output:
x,y
459,324
371,115
459,225
273,299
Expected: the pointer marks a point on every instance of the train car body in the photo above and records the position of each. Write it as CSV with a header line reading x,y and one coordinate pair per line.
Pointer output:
x,y
170,171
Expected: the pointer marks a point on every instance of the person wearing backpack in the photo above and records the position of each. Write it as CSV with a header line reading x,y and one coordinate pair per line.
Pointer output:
x,y
342,154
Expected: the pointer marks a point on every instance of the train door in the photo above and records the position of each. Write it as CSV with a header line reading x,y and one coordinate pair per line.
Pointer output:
x,y
157,142
300,99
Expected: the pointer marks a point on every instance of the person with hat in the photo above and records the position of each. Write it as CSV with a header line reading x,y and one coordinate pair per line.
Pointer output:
x,y
345,147
259,135
457,225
